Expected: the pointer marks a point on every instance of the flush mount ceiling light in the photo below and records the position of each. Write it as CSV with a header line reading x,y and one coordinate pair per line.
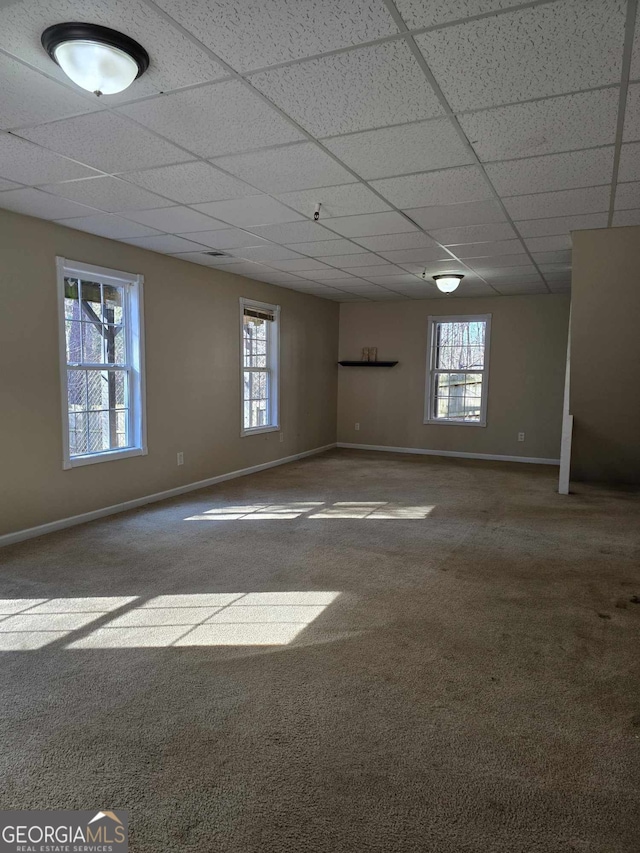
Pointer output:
x,y
447,283
96,58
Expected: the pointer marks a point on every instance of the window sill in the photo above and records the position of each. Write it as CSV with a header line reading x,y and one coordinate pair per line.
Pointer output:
x,y
108,456
258,430
443,421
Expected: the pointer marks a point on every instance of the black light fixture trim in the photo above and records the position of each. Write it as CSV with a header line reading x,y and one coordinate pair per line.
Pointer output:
x,y
56,35
448,275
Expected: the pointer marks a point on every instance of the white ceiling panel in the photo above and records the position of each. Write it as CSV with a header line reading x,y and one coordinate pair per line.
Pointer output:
x,y
406,240
497,60
428,13
555,243
247,268
326,275
27,163
491,272
553,172
620,217
266,253
521,288
376,271
320,248
107,193
245,212
205,260
449,186
629,162
583,120
186,118
396,280
230,238
495,261
257,33
190,183
299,265
471,289
628,196
34,202
473,234
563,203
420,147
105,141
488,249
336,201
561,224
545,269
8,185
294,232
293,167
357,90
165,243
632,114
370,224
406,256
176,220
108,225
27,97
346,261
558,257
457,215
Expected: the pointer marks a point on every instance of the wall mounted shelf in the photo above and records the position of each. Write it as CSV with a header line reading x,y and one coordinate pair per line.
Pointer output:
x,y
368,363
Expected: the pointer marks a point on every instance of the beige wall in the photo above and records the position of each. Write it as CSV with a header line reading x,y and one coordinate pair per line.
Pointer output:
x,y
192,373
605,355
526,378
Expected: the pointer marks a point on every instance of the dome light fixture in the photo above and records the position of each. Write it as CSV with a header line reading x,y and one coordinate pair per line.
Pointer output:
x,y
448,282
96,58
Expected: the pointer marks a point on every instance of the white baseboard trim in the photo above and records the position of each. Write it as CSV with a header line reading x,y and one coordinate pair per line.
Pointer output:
x,y
458,453
61,524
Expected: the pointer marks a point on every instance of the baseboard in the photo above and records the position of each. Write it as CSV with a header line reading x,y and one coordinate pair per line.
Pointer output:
x,y
61,524
457,453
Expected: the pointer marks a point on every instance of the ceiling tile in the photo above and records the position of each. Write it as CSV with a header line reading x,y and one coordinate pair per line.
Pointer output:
x,y
457,215
245,212
521,288
293,167
205,260
632,114
396,280
298,265
560,287
376,271
246,268
545,269
8,185
495,261
620,217
473,233
27,97
628,196
346,261
561,224
563,203
186,118
176,220
190,183
165,243
108,225
34,202
431,268
292,232
492,272
471,289
175,59
269,252
552,243
29,164
357,90
428,13
320,248
256,33
105,141
106,193
497,60
405,256
583,120
406,240
488,249
431,188
336,201
389,151
558,257
629,162
230,238
635,57
325,275
553,172
370,224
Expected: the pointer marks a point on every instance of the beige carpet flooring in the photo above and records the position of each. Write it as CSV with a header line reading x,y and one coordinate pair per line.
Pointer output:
x,y
471,686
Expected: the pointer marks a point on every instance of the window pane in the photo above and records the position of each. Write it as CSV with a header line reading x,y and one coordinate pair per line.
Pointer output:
x,y
91,295
73,334
77,433
122,428
92,344
98,431
113,302
459,396
460,345
71,304
114,344
77,390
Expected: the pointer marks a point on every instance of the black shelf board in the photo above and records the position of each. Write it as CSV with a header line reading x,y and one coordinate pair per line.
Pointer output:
x,y
368,363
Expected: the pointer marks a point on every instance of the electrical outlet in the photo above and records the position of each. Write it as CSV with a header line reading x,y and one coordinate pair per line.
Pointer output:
x,y
181,458
357,426
520,436
281,436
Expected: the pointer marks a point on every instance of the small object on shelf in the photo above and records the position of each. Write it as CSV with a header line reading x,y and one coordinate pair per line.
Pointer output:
x,y
368,363
365,353
373,353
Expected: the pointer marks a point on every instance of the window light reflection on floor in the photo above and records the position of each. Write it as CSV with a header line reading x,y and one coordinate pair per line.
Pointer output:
x,y
207,619
314,509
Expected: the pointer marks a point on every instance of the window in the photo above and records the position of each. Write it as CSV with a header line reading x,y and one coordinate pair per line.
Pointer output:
x,y
101,361
457,364
260,342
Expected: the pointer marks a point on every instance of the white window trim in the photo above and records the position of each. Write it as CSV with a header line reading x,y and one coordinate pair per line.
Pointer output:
x,y
273,359
135,343
431,373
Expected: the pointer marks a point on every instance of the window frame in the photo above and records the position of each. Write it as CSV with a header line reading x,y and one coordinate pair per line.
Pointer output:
x,y
432,371
273,368
134,331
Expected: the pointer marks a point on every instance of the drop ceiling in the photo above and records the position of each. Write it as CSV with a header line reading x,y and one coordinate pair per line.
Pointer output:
x,y
469,136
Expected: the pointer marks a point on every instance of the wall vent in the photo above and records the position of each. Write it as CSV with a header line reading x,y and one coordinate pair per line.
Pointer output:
x,y
217,254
